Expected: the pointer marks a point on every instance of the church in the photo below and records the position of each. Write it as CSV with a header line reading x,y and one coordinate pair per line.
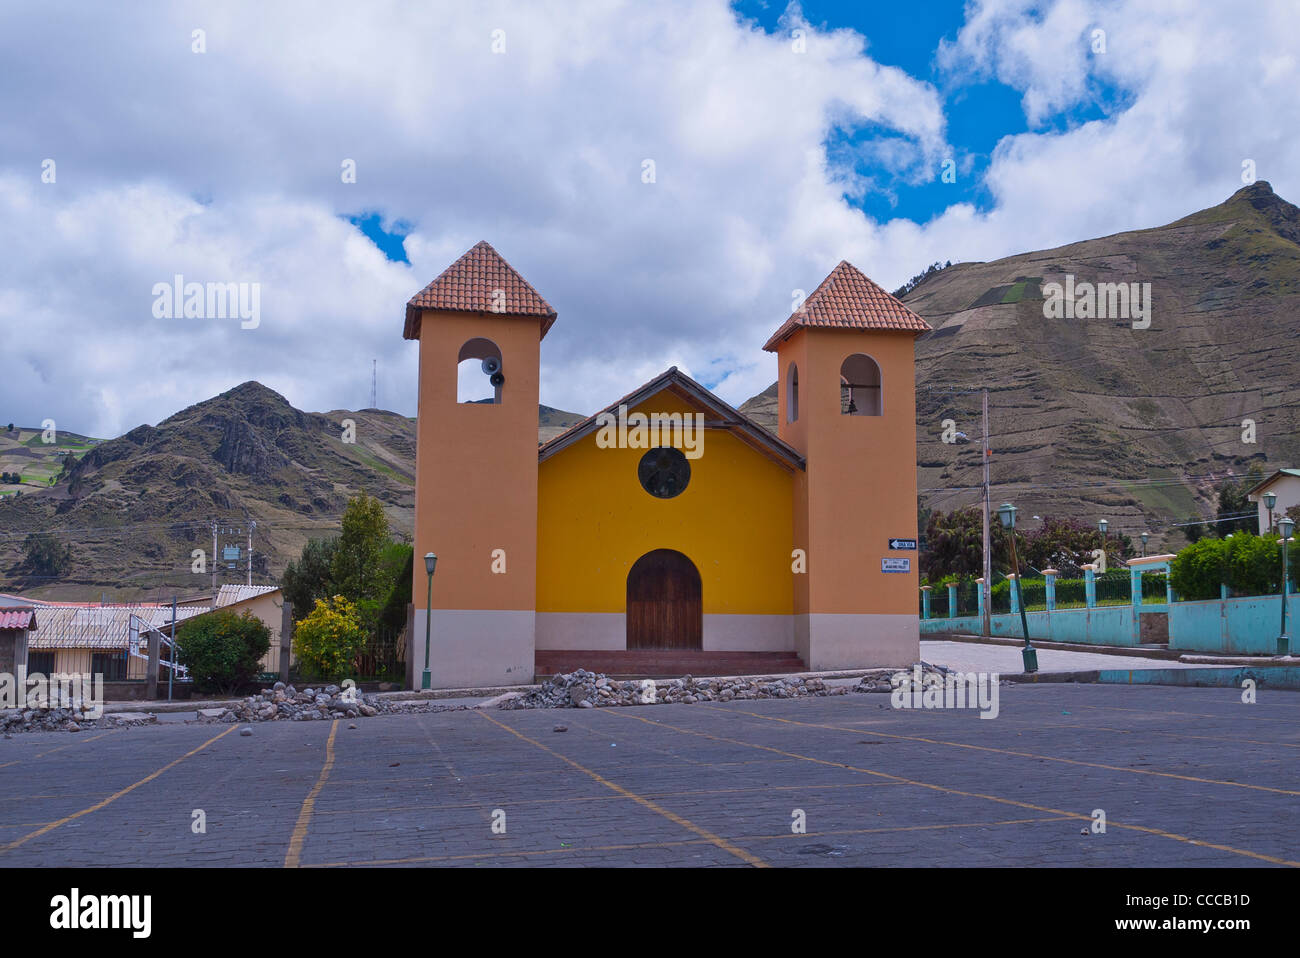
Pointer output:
x,y
667,533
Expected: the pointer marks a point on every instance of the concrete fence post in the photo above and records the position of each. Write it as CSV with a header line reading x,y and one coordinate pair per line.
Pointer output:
x,y
151,677
1049,586
952,600
979,598
1135,585
925,602
1015,592
1090,585
286,639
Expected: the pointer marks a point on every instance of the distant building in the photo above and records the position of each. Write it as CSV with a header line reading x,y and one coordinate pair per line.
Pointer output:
x,y
1285,484
96,638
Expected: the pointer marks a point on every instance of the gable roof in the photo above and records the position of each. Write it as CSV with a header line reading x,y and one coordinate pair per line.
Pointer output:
x,y
469,285
684,386
849,300
232,594
1263,484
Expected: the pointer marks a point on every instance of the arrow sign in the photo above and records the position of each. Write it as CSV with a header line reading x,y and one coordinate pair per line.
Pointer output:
x,y
902,543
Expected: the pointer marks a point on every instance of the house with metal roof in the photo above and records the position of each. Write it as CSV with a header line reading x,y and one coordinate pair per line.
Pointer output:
x,y
668,532
1283,486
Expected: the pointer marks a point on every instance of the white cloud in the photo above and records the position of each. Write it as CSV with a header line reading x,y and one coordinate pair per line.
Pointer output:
x,y
224,166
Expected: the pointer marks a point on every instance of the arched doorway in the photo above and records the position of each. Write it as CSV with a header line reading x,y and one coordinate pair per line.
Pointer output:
x,y
664,605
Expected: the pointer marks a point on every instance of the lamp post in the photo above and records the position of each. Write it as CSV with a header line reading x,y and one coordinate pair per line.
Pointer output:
x,y
1286,524
1270,500
430,562
1102,525
1145,537
1007,516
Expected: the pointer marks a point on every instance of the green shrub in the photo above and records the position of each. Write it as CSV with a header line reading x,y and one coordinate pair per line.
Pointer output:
x,y
222,651
1248,564
327,641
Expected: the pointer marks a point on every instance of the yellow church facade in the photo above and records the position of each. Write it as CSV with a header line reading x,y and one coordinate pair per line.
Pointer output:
x,y
667,533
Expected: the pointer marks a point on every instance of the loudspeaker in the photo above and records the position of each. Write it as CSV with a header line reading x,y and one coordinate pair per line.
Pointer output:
x,y
491,365
497,379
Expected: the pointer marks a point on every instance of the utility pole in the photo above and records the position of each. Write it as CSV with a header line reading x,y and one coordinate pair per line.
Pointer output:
x,y
251,526
988,554
213,558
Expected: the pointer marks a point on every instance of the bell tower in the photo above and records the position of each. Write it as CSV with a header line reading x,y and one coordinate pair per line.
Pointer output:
x,y
846,399
476,471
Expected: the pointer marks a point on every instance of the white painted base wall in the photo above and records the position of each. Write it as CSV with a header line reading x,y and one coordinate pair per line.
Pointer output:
x,y
852,641
607,631
474,648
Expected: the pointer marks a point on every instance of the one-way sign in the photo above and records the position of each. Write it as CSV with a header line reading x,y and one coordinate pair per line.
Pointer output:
x,y
902,543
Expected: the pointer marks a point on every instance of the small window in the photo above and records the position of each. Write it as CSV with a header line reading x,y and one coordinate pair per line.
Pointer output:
x,y
111,665
40,662
479,372
792,394
860,393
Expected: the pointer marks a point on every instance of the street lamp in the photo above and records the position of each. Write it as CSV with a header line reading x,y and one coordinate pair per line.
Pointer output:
x,y
1285,525
1145,537
1102,524
430,562
1007,516
1270,500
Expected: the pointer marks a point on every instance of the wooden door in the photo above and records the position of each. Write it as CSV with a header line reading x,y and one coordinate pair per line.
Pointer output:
x,y
664,605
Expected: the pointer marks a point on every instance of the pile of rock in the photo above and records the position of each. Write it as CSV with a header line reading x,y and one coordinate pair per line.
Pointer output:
x,y
44,720
285,703
583,689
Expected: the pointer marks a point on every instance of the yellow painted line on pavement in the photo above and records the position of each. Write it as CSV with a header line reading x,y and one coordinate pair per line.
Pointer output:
x,y
112,798
689,841
1110,823
79,741
294,855
1006,751
716,840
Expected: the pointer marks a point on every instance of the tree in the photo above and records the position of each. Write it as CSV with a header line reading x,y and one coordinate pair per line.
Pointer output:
x,y
222,651
955,544
355,569
1068,544
327,641
1232,504
310,577
44,556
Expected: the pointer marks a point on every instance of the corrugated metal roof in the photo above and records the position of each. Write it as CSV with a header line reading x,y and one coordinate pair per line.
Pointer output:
x,y
230,594
17,618
101,626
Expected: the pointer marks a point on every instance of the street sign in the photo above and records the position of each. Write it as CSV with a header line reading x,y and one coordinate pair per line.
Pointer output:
x,y
902,543
895,565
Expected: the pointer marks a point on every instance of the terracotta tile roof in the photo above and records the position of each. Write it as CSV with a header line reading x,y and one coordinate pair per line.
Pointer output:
x,y
17,618
848,299
469,286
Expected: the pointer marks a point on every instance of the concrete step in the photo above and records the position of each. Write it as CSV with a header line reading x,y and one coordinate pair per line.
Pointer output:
x,y
664,663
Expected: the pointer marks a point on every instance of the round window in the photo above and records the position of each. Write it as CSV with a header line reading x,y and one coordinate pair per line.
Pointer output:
x,y
664,472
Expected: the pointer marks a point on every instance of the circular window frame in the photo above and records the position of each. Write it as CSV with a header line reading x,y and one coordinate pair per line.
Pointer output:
x,y
657,475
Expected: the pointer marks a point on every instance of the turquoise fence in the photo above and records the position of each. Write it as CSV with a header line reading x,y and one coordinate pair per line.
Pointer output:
x,y
1148,612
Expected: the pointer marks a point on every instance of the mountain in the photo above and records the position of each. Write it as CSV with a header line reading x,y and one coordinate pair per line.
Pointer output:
x,y
1091,417
134,508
